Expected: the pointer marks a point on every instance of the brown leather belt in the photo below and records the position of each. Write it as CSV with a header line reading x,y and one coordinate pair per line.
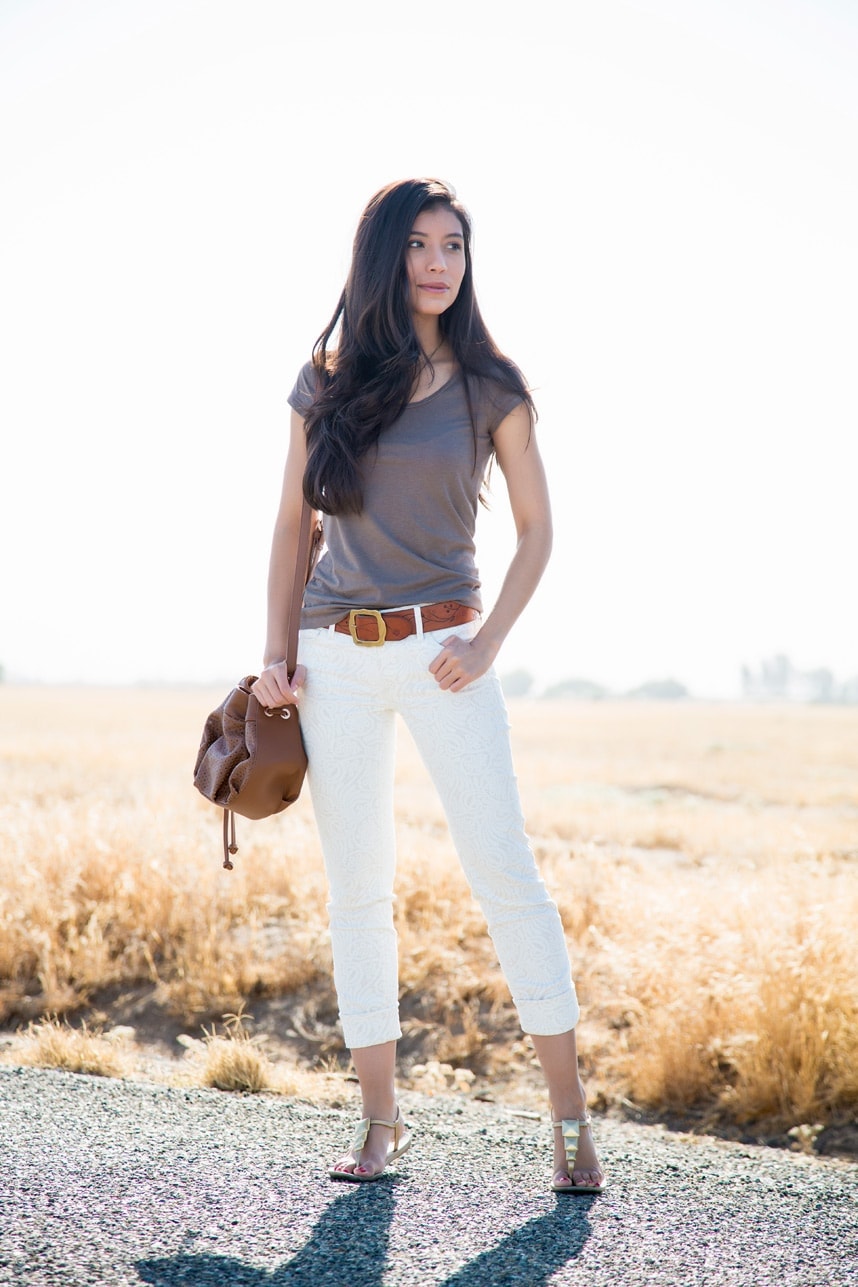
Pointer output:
x,y
369,628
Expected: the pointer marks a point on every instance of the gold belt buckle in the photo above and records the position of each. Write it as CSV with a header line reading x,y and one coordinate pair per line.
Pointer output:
x,y
382,628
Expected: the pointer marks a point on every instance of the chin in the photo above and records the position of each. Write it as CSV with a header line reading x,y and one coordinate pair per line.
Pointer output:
x,y
432,307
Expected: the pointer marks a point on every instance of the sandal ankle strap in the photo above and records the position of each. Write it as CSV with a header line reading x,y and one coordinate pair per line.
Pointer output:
x,y
363,1127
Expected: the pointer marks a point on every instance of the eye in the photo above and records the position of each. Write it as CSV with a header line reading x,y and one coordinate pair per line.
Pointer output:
x,y
455,245
415,243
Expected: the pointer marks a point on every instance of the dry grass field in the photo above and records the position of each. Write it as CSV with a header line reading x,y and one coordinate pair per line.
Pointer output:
x,y
703,857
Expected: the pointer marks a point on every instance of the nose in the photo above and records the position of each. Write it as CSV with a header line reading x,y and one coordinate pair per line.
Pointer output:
x,y
437,260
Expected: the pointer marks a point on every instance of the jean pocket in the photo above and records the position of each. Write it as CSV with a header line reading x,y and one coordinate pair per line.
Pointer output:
x,y
433,640
465,631
311,640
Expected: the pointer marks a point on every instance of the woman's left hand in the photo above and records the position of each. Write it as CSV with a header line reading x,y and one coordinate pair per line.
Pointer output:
x,y
460,662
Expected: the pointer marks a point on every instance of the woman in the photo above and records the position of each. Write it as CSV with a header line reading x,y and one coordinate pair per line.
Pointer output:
x,y
392,432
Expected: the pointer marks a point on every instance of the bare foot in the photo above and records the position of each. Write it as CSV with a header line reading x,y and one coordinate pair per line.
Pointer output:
x,y
587,1169
382,1143
372,1158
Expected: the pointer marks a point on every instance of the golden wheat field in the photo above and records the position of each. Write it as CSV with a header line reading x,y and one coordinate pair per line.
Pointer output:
x,y
703,857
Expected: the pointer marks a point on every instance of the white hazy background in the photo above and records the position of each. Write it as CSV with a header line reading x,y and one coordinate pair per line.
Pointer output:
x,y
665,199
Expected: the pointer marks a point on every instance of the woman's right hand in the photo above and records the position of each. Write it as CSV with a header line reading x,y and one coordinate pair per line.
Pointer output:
x,y
273,689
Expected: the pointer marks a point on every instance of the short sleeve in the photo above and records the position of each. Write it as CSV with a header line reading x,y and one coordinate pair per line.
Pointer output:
x,y
302,395
503,407
497,403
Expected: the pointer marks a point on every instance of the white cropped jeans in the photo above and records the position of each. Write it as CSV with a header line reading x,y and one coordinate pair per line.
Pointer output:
x,y
348,707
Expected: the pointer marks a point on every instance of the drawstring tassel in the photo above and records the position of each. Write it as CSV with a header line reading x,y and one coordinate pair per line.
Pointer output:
x,y
229,845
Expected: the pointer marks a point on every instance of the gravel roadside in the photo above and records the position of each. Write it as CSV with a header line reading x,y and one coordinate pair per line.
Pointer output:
x,y
105,1183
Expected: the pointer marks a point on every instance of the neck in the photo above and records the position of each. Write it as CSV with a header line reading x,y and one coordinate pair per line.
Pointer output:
x,y
428,333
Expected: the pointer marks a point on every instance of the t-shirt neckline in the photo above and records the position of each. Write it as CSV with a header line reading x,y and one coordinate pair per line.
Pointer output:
x,y
429,396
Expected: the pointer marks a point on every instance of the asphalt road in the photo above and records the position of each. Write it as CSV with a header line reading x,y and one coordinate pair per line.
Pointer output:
x,y
107,1182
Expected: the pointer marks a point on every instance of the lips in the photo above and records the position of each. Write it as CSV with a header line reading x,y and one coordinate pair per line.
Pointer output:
x,y
437,288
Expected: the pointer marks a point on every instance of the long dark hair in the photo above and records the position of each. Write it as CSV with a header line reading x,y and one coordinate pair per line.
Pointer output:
x,y
365,384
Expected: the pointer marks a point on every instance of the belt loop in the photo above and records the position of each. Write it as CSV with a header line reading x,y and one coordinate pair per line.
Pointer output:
x,y
418,621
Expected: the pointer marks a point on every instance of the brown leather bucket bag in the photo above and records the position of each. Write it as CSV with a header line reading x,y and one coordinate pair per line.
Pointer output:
x,y
252,760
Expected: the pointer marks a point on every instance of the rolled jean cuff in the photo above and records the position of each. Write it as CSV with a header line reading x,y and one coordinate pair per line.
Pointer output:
x,y
370,1029
550,1017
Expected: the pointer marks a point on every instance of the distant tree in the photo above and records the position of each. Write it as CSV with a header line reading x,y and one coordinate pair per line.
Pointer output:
x,y
777,674
848,692
581,690
779,680
660,690
517,683
821,685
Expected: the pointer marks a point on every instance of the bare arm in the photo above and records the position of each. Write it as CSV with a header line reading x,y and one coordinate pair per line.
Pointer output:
x,y
273,687
461,661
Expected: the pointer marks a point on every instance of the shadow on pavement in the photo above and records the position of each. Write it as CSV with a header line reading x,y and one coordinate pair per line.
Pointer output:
x,y
350,1242
350,1239
533,1253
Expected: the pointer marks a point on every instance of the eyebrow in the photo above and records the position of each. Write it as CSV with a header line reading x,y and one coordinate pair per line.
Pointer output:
x,y
415,232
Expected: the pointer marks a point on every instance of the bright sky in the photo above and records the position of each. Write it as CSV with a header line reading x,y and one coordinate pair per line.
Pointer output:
x,y
665,197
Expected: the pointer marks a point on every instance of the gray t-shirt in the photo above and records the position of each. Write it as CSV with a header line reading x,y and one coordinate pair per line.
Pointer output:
x,y
414,541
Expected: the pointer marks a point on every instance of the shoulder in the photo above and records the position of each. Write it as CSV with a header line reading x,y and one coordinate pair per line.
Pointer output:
x,y
305,389
494,397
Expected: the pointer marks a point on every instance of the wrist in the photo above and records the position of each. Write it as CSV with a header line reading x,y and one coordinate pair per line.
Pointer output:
x,y
487,644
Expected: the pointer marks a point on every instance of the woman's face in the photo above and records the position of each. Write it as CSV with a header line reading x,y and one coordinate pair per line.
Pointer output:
x,y
435,261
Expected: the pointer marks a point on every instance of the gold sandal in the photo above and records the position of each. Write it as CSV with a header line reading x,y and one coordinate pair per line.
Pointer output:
x,y
401,1141
570,1128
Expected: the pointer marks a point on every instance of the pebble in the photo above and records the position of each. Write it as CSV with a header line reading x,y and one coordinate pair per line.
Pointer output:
x,y
108,1183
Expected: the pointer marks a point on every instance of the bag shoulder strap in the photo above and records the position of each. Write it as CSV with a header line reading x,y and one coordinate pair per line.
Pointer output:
x,y
302,575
